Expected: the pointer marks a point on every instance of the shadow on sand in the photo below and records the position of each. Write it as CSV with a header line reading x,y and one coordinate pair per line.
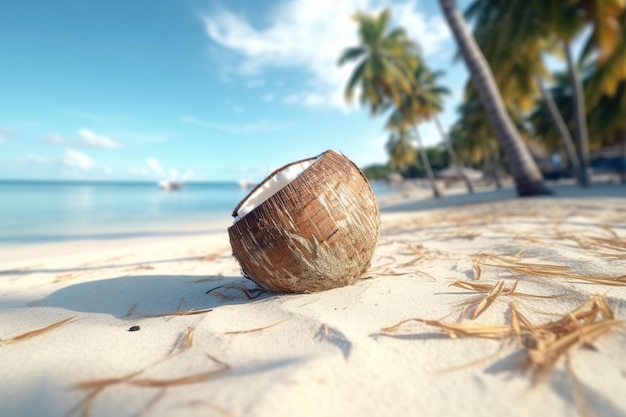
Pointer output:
x,y
140,296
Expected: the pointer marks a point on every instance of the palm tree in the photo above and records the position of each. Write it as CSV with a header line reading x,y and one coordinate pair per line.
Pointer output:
x,y
400,128
558,121
607,121
426,163
608,41
528,178
473,136
513,43
385,69
423,104
565,21
551,26
429,94
417,106
608,73
401,151
553,119
385,61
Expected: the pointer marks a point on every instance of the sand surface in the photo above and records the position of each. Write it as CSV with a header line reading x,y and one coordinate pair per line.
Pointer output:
x,y
212,343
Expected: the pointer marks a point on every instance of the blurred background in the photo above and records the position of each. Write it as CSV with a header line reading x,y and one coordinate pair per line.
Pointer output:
x,y
119,115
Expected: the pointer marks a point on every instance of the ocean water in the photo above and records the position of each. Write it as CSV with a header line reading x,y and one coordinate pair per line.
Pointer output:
x,y
47,211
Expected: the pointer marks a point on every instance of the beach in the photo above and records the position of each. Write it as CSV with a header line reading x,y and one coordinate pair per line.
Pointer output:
x,y
481,305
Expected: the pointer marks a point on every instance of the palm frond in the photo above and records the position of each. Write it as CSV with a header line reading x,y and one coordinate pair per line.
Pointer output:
x,y
356,76
351,54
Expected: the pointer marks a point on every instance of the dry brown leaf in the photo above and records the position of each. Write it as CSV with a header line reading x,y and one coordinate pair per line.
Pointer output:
x,y
189,338
212,256
86,404
477,270
143,268
208,279
33,333
490,298
546,270
98,385
258,329
492,292
416,249
105,382
457,236
410,263
250,293
185,380
65,277
182,313
131,310
545,344
454,330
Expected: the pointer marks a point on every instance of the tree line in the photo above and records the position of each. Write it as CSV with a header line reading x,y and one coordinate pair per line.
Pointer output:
x,y
512,98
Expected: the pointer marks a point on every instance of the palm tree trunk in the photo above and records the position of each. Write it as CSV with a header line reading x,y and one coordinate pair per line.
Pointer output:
x,y
495,166
453,156
622,136
564,131
582,137
524,169
424,157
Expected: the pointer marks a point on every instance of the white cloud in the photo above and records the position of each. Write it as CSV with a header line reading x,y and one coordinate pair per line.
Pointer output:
x,y
268,97
36,159
5,134
86,138
155,166
429,32
239,128
77,160
54,139
107,170
310,35
95,140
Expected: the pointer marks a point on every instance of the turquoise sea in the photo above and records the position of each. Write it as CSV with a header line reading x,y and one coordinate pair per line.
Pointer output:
x,y
53,211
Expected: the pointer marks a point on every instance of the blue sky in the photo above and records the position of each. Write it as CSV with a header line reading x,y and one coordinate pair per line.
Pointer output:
x,y
143,90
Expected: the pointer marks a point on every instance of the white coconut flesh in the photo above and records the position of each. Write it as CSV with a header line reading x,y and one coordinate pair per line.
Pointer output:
x,y
272,185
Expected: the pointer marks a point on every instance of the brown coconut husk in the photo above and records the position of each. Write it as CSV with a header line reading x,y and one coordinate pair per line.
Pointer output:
x,y
316,233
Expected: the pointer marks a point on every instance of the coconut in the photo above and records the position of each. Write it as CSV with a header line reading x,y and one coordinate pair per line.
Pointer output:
x,y
309,226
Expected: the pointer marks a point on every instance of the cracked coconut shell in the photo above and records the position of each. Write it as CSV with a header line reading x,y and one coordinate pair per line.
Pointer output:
x,y
311,233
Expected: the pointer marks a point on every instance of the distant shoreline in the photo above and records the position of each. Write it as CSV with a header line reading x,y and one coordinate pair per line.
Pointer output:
x,y
409,197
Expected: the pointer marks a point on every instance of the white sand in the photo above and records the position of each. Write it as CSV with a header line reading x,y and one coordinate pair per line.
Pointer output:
x,y
325,354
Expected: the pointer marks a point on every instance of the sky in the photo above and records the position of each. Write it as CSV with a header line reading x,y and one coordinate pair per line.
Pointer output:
x,y
192,90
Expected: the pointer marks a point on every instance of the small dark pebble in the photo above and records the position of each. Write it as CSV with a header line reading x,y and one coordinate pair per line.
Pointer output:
x,y
134,329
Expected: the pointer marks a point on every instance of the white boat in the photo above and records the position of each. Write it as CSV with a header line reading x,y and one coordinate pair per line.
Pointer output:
x,y
170,185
